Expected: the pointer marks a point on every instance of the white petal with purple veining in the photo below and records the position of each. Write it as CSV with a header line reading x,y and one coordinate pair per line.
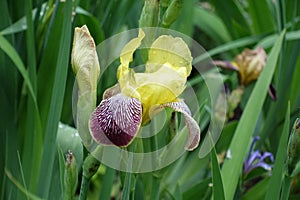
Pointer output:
x,y
116,120
193,127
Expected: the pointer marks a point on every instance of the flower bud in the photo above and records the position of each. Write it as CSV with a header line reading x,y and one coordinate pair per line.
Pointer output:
x,y
234,100
85,60
87,69
70,177
250,63
172,12
294,148
90,166
149,16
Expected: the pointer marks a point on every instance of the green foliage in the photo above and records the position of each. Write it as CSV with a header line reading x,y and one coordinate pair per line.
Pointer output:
x,y
36,96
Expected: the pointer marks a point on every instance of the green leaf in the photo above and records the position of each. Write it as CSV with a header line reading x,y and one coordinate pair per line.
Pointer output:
x,y
202,188
61,162
108,183
275,183
257,191
218,189
211,24
229,46
245,128
236,22
14,56
257,9
32,196
69,139
56,102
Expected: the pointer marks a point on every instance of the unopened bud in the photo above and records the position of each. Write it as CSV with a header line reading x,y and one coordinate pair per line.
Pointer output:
x,y
84,59
294,147
149,16
90,166
70,177
234,99
172,12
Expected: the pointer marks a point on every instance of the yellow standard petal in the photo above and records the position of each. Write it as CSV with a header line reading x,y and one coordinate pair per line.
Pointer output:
x,y
125,75
167,49
159,87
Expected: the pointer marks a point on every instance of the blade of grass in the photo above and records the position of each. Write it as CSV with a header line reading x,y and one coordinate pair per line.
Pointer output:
x,y
8,104
265,42
286,186
14,56
61,161
22,174
211,24
31,154
56,102
128,176
258,191
32,196
236,22
247,123
218,189
258,8
229,46
275,183
108,180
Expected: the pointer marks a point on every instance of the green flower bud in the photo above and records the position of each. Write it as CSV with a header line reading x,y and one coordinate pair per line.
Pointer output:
x,y
70,177
86,69
172,13
149,16
294,148
234,99
90,166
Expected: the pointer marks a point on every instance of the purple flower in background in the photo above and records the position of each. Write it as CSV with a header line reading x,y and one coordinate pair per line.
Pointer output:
x,y
257,159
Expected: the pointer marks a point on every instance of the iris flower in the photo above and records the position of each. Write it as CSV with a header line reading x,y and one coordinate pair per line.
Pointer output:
x,y
137,97
249,64
255,159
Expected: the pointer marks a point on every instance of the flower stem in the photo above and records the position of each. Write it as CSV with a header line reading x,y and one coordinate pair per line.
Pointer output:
x,y
84,188
286,187
155,188
156,177
90,167
127,181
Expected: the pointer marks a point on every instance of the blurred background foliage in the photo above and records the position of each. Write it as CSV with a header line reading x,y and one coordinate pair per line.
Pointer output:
x,y
36,81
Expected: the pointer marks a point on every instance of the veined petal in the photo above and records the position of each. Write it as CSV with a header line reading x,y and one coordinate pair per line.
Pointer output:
x,y
167,49
85,60
111,91
193,128
116,120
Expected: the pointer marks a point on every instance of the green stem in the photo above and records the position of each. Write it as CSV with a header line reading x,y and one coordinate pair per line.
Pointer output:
x,y
156,177
84,188
127,181
89,168
155,187
286,187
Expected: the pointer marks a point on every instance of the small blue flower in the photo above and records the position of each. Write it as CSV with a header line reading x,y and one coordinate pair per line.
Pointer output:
x,y
257,159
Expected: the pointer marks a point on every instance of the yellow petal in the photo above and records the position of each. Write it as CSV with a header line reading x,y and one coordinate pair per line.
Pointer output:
x,y
127,54
160,87
125,74
167,49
